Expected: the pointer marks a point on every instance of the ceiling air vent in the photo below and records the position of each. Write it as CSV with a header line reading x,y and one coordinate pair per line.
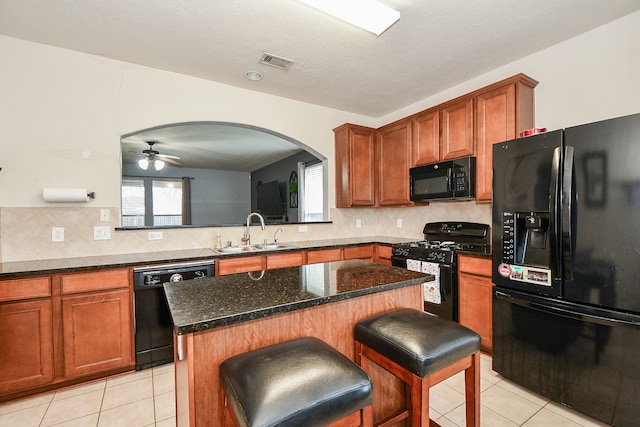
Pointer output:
x,y
275,61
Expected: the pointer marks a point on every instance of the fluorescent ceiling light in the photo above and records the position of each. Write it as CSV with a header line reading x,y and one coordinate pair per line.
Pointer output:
x,y
370,15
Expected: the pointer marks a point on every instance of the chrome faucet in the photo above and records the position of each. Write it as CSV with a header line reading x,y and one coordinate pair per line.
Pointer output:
x,y
247,235
275,239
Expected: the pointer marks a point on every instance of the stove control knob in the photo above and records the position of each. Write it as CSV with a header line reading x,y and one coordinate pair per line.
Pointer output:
x,y
175,278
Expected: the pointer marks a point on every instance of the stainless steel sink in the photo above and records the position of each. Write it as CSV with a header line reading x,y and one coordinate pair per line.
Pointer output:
x,y
229,250
269,246
254,248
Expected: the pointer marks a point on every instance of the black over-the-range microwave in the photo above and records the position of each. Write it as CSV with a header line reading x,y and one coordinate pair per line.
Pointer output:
x,y
448,180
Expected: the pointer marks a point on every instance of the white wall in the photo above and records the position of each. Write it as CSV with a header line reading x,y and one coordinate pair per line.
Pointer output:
x,y
58,104
62,114
591,77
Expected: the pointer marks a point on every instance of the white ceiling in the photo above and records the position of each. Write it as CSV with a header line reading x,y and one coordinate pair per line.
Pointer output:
x,y
209,145
435,45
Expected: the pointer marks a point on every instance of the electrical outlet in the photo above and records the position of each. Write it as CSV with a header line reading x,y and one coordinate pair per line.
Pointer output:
x,y
358,223
104,215
57,234
155,235
399,222
101,233
302,228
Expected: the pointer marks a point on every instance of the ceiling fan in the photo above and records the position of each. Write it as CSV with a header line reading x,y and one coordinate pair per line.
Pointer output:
x,y
153,157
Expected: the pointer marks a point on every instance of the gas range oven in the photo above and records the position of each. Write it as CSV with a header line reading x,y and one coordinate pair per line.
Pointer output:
x,y
437,255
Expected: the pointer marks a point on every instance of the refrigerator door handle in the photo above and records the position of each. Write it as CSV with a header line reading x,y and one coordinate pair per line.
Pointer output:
x,y
567,212
554,223
560,308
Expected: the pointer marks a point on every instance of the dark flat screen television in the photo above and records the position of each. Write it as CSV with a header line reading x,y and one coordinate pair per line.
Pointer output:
x,y
269,199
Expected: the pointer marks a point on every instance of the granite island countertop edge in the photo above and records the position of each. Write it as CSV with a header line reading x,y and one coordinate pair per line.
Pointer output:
x,y
195,324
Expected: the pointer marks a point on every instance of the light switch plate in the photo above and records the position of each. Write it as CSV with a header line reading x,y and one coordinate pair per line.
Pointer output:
x,y
399,222
302,228
104,215
101,233
358,223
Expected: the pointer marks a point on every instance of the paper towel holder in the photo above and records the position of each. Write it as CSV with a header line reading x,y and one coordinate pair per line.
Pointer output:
x,y
67,195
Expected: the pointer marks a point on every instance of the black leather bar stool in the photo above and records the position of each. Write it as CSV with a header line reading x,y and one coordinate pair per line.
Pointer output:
x,y
303,382
422,350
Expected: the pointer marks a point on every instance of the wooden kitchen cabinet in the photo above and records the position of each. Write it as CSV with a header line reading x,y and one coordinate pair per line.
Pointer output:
x,y
97,324
393,159
425,138
457,129
355,163
96,332
26,334
56,330
383,254
475,297
503,111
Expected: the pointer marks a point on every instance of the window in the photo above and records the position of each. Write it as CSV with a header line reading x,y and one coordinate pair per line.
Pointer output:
x,y
312,197
133,202
147,201
167,202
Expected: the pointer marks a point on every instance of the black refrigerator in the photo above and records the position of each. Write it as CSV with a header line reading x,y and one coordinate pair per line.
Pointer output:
x,y
566,265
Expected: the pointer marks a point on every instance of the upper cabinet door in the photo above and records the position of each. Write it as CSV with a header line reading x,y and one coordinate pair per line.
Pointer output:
x,y
425,138
393,154
502,112
355,158
496,123
457,130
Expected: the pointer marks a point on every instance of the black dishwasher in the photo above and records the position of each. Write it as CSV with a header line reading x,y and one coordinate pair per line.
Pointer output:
x,y
153,325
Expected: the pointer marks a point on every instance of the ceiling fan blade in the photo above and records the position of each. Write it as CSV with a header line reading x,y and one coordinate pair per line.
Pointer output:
x,y
172,161
168,156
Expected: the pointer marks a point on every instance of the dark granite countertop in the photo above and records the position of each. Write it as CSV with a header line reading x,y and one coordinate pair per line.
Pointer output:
x,y
68,265
207,303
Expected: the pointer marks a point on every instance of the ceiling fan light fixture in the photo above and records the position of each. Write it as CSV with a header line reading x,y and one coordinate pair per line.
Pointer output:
x,y
370,15
158,164
143,163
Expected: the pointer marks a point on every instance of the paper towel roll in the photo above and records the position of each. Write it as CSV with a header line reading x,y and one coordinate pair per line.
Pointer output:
x,y
65,195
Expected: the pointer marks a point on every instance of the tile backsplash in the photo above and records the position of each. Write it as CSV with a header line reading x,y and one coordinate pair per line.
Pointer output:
x,y
25,233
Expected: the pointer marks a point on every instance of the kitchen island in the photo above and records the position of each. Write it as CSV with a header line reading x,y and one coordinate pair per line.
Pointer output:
x,y
219,317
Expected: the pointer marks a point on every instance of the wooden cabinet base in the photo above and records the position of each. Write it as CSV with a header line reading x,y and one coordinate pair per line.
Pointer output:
x,y
197,382
62,330
476,293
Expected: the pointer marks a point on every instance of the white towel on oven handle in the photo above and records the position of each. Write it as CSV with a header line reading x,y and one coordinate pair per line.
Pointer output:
x,y
414,265
432,292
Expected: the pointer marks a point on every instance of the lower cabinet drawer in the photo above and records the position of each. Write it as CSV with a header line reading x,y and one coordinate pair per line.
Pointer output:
x,y
324,255
17,289
358,252
239,265
291,259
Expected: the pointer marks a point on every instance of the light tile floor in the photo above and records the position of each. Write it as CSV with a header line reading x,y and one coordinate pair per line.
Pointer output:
x,y
146,399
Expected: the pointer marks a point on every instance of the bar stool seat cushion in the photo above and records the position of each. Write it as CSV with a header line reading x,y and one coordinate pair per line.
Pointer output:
x,y
420,342
303,382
